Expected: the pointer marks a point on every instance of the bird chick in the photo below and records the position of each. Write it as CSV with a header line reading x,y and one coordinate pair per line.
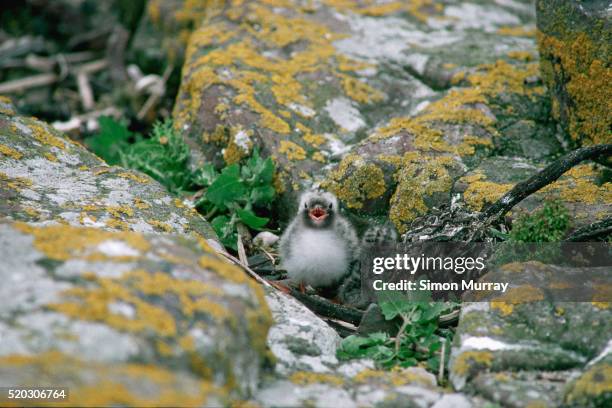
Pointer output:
x,y
320,246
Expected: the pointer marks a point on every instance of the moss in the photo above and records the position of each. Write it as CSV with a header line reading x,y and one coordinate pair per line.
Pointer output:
x,y
10,152
469,360
581,84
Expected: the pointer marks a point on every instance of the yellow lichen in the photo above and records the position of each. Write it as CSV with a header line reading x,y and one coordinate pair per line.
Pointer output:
x,y
117,211
480,192
50,156
162,226
140,204
468,359
63,242
136,177
418,180
354,182
45,136
307,378
292,150
10,152
582,84
518,31
594,383
517,295
15,183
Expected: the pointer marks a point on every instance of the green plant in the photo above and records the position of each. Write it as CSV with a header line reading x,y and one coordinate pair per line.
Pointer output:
x,y
164,156
546,225
233,195
112,138
419,338
227,198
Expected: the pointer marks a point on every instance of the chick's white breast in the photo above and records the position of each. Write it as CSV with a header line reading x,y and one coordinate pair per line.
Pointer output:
x,y
318,258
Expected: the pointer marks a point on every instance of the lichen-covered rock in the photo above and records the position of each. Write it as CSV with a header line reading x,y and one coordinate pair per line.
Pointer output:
x,y
548,341
575,40
307,372
46,177
593,387
583,190
129,304
410,164
303,82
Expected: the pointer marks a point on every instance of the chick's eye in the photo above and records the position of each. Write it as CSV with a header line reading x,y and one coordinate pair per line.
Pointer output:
x,y
330,206
305,205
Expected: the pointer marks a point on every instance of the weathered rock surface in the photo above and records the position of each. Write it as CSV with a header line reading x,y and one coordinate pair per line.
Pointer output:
x,y
45,177
93,302
307,371
582,190
522,348
575,40
302,83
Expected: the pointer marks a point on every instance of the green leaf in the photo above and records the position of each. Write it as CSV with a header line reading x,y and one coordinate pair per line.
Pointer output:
x,y
112,138
250,219
393,303
226,188
226,231
263,195
205,175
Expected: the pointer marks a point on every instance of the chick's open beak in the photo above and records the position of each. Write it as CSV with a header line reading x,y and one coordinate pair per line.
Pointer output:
x,y
317,213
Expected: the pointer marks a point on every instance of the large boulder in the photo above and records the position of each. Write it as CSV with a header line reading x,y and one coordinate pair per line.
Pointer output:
x,y
575,40
114,288
304,82
582,190
45,177
524,347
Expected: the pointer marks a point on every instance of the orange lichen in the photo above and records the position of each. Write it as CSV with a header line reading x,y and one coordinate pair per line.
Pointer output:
x,y
10,152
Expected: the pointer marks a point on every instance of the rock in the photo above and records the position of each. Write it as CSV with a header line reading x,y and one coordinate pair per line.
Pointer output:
x,y
303,82
100,288
308,372
581,189
84,295
521,347
574,40
45,177
592,387
299,339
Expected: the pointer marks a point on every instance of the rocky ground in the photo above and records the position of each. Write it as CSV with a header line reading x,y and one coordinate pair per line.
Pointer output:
x,y
120,291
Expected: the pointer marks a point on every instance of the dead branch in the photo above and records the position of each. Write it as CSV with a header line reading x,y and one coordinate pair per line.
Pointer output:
x,y
324,307
22,84
543,178
85,91
596,230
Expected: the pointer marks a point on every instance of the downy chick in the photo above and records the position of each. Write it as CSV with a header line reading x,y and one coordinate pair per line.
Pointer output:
x,y
320,246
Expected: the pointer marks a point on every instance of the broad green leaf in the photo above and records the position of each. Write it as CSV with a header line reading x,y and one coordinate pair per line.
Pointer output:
x,y
262,195
226,188
250,219
392,303
112,138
